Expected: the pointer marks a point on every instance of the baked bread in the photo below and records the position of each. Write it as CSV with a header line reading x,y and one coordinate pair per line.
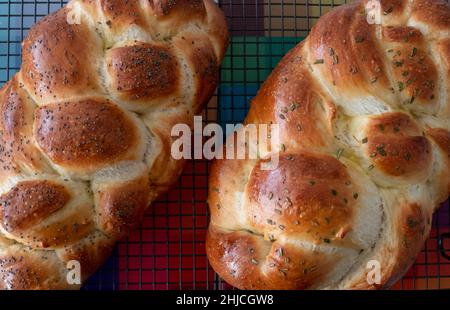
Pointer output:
x,y
364,116
85,128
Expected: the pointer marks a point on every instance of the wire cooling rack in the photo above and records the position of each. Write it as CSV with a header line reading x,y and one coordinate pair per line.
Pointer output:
x,y
168,250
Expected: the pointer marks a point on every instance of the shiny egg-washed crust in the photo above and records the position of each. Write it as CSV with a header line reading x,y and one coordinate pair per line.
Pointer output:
x,y
364,117
85,128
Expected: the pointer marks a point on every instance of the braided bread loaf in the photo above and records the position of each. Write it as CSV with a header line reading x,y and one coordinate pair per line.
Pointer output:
x,y
85,128
364,156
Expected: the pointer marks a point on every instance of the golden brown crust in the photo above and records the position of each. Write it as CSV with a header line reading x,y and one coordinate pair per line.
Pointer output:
x,y
119,14
218,29
412,229
85,128
16,127
436,14
231,256
91,252
120,207
12,111
58,58
58,233
362,163
28,202
402,34
27,269
395,123
413,70
200,56
84,133
345,49
290,98
8,168
166,169
400,156
443,49
178,8
45,214
296,197
23,269
442,138
143,72
393,8
239,257
396,146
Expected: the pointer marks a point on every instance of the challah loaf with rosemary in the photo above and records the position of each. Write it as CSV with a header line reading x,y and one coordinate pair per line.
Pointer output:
x,y
364,117
85,128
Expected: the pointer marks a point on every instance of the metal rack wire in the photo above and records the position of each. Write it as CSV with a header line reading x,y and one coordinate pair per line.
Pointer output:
x,y
167,252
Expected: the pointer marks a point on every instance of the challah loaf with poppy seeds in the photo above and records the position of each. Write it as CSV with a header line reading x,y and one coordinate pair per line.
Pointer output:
x,y
363,111
85,128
